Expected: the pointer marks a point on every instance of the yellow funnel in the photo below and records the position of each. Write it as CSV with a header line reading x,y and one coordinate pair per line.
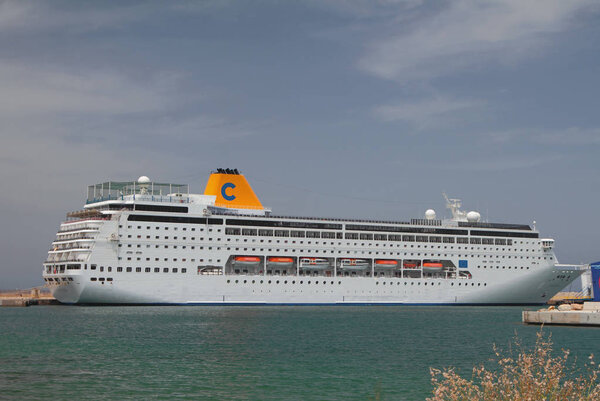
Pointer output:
x,y
232,190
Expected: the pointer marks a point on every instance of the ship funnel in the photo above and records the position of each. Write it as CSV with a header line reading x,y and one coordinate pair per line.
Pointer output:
x,y
232,190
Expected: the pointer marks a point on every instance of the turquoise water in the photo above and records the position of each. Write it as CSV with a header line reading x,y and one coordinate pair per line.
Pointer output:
x,y
252,353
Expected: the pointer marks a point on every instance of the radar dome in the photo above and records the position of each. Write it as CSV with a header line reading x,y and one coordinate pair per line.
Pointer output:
x,y
430,214
143,180
473,217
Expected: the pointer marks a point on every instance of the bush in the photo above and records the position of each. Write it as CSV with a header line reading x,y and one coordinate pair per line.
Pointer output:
x,y
533,375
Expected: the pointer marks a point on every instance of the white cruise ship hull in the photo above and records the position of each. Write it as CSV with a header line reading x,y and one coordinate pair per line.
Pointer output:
x,y
190,289
133,245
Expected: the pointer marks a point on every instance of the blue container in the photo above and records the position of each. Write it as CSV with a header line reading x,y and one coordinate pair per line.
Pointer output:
x,y
596,280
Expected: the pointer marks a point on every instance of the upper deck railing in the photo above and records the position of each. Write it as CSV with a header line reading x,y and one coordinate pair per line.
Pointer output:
x,y
143,198
150,191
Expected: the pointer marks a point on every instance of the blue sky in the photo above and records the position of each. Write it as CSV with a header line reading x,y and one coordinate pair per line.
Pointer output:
x,y
345,108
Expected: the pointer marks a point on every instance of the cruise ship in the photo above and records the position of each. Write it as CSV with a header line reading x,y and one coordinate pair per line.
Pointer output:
x,y
145,242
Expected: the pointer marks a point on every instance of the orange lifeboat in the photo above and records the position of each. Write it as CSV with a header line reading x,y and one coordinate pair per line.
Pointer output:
x,y
247,260
432,267
410,265
280,261
386,263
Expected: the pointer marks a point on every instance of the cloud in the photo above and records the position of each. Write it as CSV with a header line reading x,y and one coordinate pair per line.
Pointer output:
x,y
425,113
367,9
498,164
466,34
41,89
571,136
27,16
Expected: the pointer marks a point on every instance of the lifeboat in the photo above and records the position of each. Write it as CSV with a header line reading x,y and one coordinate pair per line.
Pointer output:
x,y
386,263
247,260
314,263
410,264
354,264
432,267
280,261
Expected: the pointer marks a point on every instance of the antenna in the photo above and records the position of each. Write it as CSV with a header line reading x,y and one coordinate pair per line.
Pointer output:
x,y
454,205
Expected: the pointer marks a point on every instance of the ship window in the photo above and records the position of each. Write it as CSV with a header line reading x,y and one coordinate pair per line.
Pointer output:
x,y
138,269
119,269
147,270
157,270
184,270
93,267
174,270
93,279
409,238
166,270
366,236
351,235
265,233
128,270
297,234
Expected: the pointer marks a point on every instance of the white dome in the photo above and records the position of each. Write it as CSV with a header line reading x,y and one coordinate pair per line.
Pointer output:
x,y
430,214
143,180
473,217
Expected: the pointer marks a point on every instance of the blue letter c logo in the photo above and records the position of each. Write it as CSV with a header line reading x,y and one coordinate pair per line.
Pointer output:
x,y
224,189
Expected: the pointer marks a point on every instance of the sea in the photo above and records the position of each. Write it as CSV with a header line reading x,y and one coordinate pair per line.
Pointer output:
x,y
254,352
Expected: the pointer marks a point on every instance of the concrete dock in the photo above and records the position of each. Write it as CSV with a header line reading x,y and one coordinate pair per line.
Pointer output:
x,y
587,314
34,296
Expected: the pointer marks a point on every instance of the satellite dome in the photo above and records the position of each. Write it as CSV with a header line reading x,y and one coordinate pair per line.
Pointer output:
x,y
473,217
430,214
143,180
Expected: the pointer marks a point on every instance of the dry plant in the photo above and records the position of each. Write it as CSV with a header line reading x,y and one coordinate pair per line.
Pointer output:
x,y
532,375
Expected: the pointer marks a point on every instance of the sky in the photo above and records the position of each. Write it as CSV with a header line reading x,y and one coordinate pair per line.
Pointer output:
x,y
362,109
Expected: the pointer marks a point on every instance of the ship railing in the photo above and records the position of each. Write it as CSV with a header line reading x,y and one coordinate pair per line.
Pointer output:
x,y
61,248
76,238
249,207
61,261
72,230
143,198
76,220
